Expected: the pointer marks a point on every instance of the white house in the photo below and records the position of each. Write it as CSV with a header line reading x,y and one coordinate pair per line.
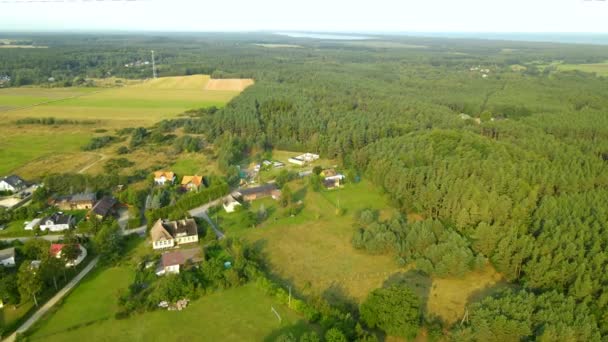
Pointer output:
x,y
167,234
7,257
164,177
170,262
57,222
12,183
230,204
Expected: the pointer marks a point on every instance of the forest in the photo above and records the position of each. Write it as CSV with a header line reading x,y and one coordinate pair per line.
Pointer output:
x,y
510,168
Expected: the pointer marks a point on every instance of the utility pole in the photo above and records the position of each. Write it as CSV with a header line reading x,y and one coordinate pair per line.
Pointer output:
x,y
153,66
289,303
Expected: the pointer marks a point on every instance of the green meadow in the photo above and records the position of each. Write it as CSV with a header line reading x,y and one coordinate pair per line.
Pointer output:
x,y
238,314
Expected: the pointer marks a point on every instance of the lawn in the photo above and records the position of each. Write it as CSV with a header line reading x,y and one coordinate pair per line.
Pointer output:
x,y
237,314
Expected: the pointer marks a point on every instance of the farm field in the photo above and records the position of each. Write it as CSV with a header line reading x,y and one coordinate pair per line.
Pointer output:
x,y
143,103
29,148
237,314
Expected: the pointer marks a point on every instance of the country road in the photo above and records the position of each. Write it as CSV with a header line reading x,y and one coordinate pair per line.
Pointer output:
x,y
51,302
101,157
201,212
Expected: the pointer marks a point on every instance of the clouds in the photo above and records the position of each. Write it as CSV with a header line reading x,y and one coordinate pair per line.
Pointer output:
x,y
317,15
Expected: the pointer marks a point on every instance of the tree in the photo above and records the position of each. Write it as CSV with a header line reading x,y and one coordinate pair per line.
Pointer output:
x,y
29,282
395,309
9,291
335,335
35,249
70,252
109,243
286,196
51,267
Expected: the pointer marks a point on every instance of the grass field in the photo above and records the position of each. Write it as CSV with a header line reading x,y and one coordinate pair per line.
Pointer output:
x,y
601,69
239,314
313,252
21,145
33,150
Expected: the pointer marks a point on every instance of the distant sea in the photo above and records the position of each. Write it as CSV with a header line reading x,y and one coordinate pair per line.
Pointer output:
x,y
572,38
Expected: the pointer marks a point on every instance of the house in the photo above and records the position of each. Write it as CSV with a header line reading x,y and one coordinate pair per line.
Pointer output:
x,y
192,183
164,177
55,251
80,201
331,183
167,234
171,262
7,257
30,225
328,173
104,207
12,183
304,159
57,222
230,204
251,194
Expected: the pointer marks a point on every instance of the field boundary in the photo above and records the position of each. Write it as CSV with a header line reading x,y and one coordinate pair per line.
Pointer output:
x,y
51,101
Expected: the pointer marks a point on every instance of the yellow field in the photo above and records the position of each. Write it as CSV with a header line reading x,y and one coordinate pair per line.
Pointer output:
x,y
233,84
144,103
34,150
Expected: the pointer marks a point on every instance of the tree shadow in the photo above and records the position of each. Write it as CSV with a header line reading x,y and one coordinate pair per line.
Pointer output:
x,y
300,194
293,330
478,295
337,296
416,281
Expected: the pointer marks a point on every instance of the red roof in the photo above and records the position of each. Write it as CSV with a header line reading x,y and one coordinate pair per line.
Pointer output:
x,y
56,248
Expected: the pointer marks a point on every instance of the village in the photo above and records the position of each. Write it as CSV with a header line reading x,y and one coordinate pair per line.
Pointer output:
x,y
39,226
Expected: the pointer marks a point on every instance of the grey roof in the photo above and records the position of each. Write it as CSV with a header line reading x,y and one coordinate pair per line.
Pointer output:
x,y
7,253
104,205
187,226
58,218
15,181
266,188
84,197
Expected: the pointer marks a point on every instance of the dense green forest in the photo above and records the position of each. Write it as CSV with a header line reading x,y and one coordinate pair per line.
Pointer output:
x,y
509,168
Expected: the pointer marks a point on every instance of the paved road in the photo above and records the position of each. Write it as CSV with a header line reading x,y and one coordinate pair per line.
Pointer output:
x,y
56,298
201,212
51,238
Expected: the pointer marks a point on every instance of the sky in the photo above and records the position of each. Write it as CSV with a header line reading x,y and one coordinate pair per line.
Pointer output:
x,y
306,15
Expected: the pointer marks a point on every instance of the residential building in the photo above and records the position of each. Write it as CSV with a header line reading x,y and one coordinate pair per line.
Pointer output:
x,y
80,201
55,251
230,204
104,207
171,262
7,257
304,159
164,177
12,183
57,222
250,194
331,183
192,183
167,234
